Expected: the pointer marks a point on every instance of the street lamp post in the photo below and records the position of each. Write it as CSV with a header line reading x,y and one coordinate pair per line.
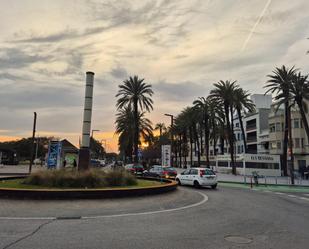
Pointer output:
x,y
92,131
172,137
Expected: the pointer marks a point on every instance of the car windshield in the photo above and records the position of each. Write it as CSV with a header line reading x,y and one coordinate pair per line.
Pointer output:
x,y
170,169
138,166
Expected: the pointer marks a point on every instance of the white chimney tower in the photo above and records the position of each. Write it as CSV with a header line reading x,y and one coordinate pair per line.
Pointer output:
x,y
84,153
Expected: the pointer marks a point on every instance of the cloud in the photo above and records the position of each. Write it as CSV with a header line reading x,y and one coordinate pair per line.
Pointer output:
x,y
119,72
179,92
17,58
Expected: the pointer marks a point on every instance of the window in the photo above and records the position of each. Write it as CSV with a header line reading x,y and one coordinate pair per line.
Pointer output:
x,y
186,172
237,124
297,143
279,145
296,123
193,172
278,126
272,128
273,145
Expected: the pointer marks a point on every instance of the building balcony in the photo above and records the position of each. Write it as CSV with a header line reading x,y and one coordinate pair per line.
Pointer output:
x,y
250,127
251,139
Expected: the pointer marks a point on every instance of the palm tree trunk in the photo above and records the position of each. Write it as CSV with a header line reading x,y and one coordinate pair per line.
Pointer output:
x,y
191,148
136,131
291,163
214,136
180,150
230,135
285,139
176,151
198,146
222,144
207,141
201,139
185,148
242,130
304,118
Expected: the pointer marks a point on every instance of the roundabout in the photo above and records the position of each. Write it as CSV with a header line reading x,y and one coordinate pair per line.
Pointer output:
x,y
185,218
99,208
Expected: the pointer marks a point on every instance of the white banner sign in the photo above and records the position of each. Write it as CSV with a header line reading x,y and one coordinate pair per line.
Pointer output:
x,y
166,155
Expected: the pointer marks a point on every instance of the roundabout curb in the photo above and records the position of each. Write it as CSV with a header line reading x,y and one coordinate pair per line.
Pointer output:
x,y
14,193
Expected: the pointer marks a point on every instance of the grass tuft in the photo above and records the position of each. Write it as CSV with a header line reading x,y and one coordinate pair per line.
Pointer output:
x,y
93,178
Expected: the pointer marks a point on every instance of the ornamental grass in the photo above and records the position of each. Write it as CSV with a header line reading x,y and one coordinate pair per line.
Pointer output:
x,y
93,178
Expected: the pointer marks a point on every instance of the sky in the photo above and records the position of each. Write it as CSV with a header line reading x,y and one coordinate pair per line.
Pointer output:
x,y
180,47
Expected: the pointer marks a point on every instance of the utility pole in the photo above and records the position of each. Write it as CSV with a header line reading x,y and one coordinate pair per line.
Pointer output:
x,y
32,142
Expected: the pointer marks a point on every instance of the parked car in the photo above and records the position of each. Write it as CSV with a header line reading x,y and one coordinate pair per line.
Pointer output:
x,y
95,163
135,169
198,177
159,171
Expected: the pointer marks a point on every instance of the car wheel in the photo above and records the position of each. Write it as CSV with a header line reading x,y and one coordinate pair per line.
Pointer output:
x,y
214,186
196,184
178,181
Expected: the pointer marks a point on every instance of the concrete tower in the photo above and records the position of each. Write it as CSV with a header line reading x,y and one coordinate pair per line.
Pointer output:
x,y
84,152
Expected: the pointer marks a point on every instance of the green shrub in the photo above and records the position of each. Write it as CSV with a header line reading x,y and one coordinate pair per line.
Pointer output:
x,y
93,178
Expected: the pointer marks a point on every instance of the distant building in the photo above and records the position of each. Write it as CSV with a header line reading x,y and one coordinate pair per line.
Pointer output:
x,y
276,136
8,157
255,126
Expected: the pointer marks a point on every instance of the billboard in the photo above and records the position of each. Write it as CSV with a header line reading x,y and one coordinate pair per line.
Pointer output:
x,y
54,154
166,155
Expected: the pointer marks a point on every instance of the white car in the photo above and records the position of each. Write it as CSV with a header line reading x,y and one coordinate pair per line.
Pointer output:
x,y
198,177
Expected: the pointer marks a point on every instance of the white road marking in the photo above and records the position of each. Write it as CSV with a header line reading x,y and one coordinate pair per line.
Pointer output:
x,y
279,193
292,196
205,199
304,198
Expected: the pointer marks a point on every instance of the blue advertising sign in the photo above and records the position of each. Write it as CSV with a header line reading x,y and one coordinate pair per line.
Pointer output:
x,y
53,154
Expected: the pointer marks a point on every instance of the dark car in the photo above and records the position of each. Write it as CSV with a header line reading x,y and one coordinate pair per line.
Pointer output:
x,y
135,169
159,171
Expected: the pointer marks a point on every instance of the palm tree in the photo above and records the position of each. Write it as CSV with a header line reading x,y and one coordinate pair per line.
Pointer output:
x,y
280,83
202,105
223,94
125,128
216,122
134,92
161,127
242,103
300,92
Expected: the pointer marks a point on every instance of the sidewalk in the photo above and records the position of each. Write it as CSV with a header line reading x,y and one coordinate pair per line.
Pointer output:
x,y
280,180
11,170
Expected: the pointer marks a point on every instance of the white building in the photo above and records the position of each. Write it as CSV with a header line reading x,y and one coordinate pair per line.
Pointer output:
x,y
299,137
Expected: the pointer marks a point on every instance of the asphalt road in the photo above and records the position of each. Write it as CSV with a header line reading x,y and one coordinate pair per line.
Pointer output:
x,y
187,218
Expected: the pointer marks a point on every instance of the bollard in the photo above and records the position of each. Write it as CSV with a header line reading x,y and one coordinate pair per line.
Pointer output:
x,y
276,180
265,180
251,181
